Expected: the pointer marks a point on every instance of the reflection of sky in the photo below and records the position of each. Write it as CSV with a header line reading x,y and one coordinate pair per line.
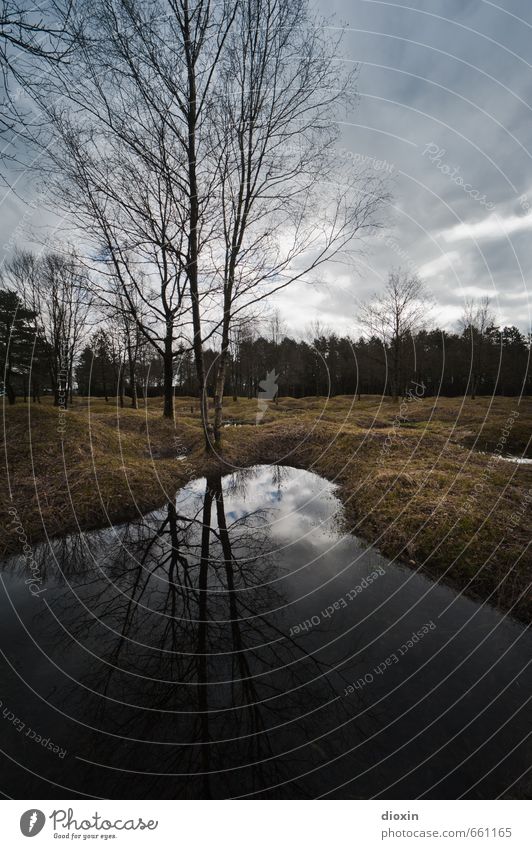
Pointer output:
x,y
293,685
268,509
291,539
294,503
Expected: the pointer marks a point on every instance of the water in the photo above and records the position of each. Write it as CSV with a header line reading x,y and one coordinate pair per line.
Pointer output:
x,y
238,643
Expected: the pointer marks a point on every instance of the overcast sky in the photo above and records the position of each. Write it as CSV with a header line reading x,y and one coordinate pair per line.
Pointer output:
x,y
446,102
445,112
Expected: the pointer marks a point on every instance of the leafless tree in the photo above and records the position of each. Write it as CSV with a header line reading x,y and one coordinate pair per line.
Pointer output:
x,y
126,316
125,206
55,288
134,342
285,207
117,354
31,35
316,329
475,321
395,316
242,332
127,156
277,327
195,145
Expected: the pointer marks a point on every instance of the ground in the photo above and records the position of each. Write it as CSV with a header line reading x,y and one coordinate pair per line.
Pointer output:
x,y
421,479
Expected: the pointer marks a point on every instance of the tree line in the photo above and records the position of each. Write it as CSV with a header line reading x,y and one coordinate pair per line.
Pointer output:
x,y
436,361
56,338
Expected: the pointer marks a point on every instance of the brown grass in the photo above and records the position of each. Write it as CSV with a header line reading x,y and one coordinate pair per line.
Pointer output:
x,y
408,484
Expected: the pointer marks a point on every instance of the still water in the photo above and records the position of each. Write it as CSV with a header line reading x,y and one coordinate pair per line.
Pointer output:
x,y
238,643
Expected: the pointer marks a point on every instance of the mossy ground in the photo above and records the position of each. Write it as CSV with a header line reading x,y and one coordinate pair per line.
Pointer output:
x,y
419,480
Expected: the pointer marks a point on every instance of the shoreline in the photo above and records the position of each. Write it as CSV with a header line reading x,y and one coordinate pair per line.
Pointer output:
x,y
402,492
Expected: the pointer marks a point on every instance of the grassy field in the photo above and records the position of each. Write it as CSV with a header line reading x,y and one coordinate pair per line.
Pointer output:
x,y
422,480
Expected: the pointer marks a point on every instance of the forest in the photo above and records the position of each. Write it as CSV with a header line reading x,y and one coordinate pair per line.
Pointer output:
x,y
49,347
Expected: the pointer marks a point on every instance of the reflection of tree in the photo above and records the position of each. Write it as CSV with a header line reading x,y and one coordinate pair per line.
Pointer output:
x,y
186,621
171,651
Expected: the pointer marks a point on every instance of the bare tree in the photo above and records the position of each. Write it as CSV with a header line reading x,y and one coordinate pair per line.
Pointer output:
x,y
195,151
285,208
36,30
128,322
133,344
395,316
117,355
277,327
316,329
130,155
101,349
124,204
55,288
30,35
476,320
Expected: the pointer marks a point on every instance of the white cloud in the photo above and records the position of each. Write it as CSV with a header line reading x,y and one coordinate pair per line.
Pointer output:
x,y
492,227
476,292
445,262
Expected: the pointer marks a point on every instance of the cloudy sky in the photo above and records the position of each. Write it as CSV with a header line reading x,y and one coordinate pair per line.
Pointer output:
x,y
446,103
445,113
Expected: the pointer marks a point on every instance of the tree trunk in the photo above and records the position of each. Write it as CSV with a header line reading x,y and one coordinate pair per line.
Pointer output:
x,y
168,381
395,371
56,392
228,559
132,364
10,392
192,264
69,390
61,395
219,394
133,386
104,382
198,344
222,363
121,385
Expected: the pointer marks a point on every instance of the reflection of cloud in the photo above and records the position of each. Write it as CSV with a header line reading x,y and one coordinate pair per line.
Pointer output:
x,y
305,509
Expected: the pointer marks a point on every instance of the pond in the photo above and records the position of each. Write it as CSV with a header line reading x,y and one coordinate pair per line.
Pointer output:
x,y
238,643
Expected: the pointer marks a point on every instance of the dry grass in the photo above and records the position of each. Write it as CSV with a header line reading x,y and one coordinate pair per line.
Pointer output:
x,y
408,484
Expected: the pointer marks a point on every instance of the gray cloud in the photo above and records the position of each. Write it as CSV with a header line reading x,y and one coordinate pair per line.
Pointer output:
x,y
447,73
461,85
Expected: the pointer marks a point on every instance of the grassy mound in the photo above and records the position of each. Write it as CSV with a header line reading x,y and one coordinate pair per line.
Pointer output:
x,y
422,480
